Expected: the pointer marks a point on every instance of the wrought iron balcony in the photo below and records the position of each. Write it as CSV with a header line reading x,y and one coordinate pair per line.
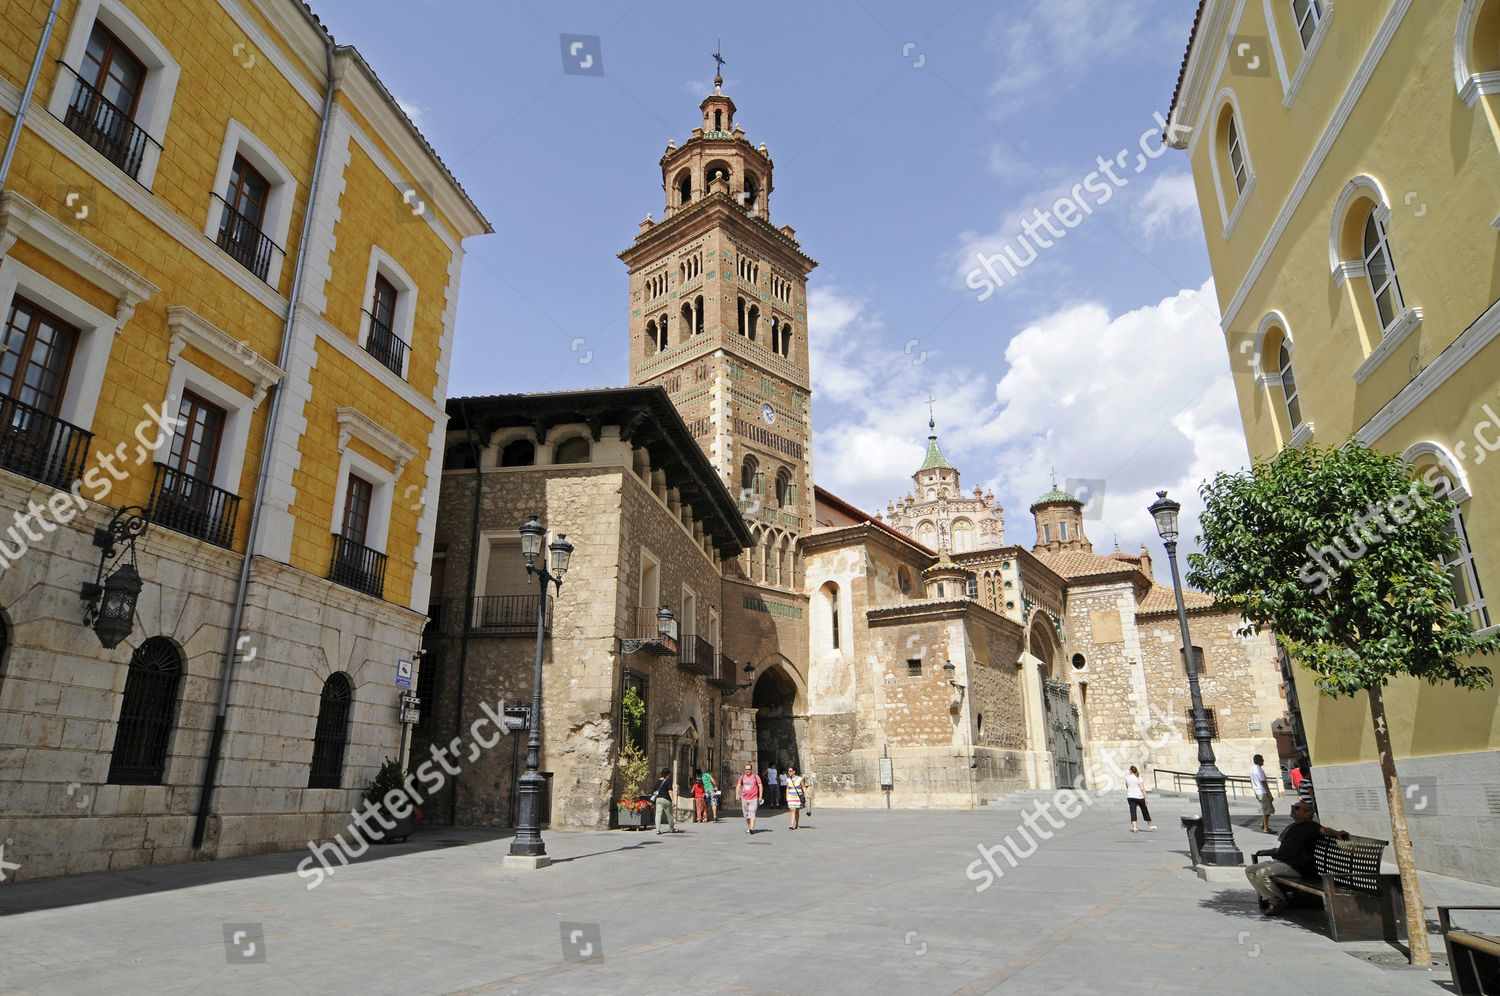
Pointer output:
x,y
40,446
108,129
508,615
357,566
647,634
243,239
193,506
696,655
386,346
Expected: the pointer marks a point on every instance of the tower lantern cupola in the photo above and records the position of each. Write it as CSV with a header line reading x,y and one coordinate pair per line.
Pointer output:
x,y
717,159
1059,522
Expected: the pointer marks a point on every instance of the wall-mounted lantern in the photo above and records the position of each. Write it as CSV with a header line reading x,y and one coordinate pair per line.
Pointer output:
x,y
110,601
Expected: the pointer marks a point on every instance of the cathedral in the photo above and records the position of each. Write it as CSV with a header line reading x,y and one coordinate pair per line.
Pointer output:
x,y
913,658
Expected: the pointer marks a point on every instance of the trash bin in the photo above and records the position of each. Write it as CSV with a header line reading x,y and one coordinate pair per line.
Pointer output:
x,y
1194,827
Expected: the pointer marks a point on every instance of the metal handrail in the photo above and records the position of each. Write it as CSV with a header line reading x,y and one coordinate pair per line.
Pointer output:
x,y
386,346
190,505
696,655
40,446
356,566
105,126
1231,782
513,615
243,239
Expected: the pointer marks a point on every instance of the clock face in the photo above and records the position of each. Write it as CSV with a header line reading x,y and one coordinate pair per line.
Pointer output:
x,y
768,413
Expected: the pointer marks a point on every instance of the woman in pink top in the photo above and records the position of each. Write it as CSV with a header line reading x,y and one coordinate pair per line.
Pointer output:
x,y
748,791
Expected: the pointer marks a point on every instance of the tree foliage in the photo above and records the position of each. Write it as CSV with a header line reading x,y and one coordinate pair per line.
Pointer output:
x,y
1340,552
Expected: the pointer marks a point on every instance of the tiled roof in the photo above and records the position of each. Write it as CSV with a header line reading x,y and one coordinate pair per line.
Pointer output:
x,y
1056,494
1160,600
1078,564
935,456
1182,72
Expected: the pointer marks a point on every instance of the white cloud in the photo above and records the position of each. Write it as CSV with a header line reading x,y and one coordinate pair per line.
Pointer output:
x,y
413,110
1169,207
1053,42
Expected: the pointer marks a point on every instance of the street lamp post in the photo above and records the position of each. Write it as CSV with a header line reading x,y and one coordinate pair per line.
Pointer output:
x,y
527,849
1218,836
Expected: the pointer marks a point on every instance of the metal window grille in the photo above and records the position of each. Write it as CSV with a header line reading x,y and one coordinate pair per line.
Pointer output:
x,y
332,734
140,752
1213,724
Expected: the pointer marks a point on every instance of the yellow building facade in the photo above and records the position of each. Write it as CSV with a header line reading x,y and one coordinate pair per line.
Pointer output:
x,y
229,268
1347,160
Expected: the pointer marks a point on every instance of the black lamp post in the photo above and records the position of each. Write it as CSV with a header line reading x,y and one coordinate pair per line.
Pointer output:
x,y
527,849
109,607
1218,836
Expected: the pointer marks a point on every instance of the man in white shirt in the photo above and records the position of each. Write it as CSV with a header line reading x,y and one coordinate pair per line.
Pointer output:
x,y
1262,792
773,787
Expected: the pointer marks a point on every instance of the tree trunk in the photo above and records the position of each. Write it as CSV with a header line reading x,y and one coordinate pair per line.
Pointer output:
x,y
1416,913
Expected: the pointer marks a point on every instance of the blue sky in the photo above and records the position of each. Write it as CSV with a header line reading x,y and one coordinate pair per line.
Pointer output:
x,y
909,140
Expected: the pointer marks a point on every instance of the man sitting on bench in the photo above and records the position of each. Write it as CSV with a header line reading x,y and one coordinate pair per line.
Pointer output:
x,y
1294,856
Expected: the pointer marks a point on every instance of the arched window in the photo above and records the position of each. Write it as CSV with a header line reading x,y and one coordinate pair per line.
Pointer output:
x,y
687,320
146,714
1381,271
718,120
684,187
1229,159
1468,597
1307,14
331,737
740,307
786,339
518,453
575,450
698,315
903,580
927,534
1234,149
963,535
752,319
652,342
750,475
1288,384
831,599
783,488
752,190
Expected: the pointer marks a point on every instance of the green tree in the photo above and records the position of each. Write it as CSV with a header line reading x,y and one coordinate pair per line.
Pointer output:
x,y
1340,552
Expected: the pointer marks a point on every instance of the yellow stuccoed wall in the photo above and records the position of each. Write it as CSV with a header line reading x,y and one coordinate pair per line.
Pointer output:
x,y
1412,132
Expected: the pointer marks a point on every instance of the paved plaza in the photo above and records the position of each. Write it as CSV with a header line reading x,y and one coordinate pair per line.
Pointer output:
x,y
858,901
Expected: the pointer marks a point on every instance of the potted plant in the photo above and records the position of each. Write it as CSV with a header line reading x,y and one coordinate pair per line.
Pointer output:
x,y
632,809
389,776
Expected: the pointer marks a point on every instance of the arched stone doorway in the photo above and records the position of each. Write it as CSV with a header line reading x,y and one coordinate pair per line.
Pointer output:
x,y
774,699
1059,712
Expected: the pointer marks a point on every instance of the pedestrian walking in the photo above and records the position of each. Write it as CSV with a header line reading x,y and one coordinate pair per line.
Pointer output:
x,y
771,784
700,800
712,793
781,788
666,798
1135,794
796,795
748,790
1262,792
1302,782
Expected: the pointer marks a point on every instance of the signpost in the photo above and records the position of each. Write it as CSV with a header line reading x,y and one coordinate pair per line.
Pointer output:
x,y
403,674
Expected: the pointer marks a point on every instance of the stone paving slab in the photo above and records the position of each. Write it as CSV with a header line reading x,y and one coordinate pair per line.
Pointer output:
x,y
859,901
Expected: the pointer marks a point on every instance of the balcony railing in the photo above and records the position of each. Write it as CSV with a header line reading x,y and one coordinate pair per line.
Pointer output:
x,y
647,629
725,672
357,566
193,506
108,129
40,446
696,655
386,346
508,615
243,239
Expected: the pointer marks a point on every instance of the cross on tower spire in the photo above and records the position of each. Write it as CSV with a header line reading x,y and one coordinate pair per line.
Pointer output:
x,y
931,419
718,65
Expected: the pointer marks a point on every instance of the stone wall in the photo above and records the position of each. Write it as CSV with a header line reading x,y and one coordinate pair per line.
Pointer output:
x,y
61,693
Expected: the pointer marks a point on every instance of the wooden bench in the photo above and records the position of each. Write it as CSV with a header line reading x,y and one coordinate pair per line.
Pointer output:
x,y
1361,903
1473,958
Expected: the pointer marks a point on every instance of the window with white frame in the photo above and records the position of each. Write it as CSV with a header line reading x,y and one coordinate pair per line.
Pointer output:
x,y
117,89
1384,288
1288,384
1468,597
54,352
1236,154
250,210
1307,14
389,312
